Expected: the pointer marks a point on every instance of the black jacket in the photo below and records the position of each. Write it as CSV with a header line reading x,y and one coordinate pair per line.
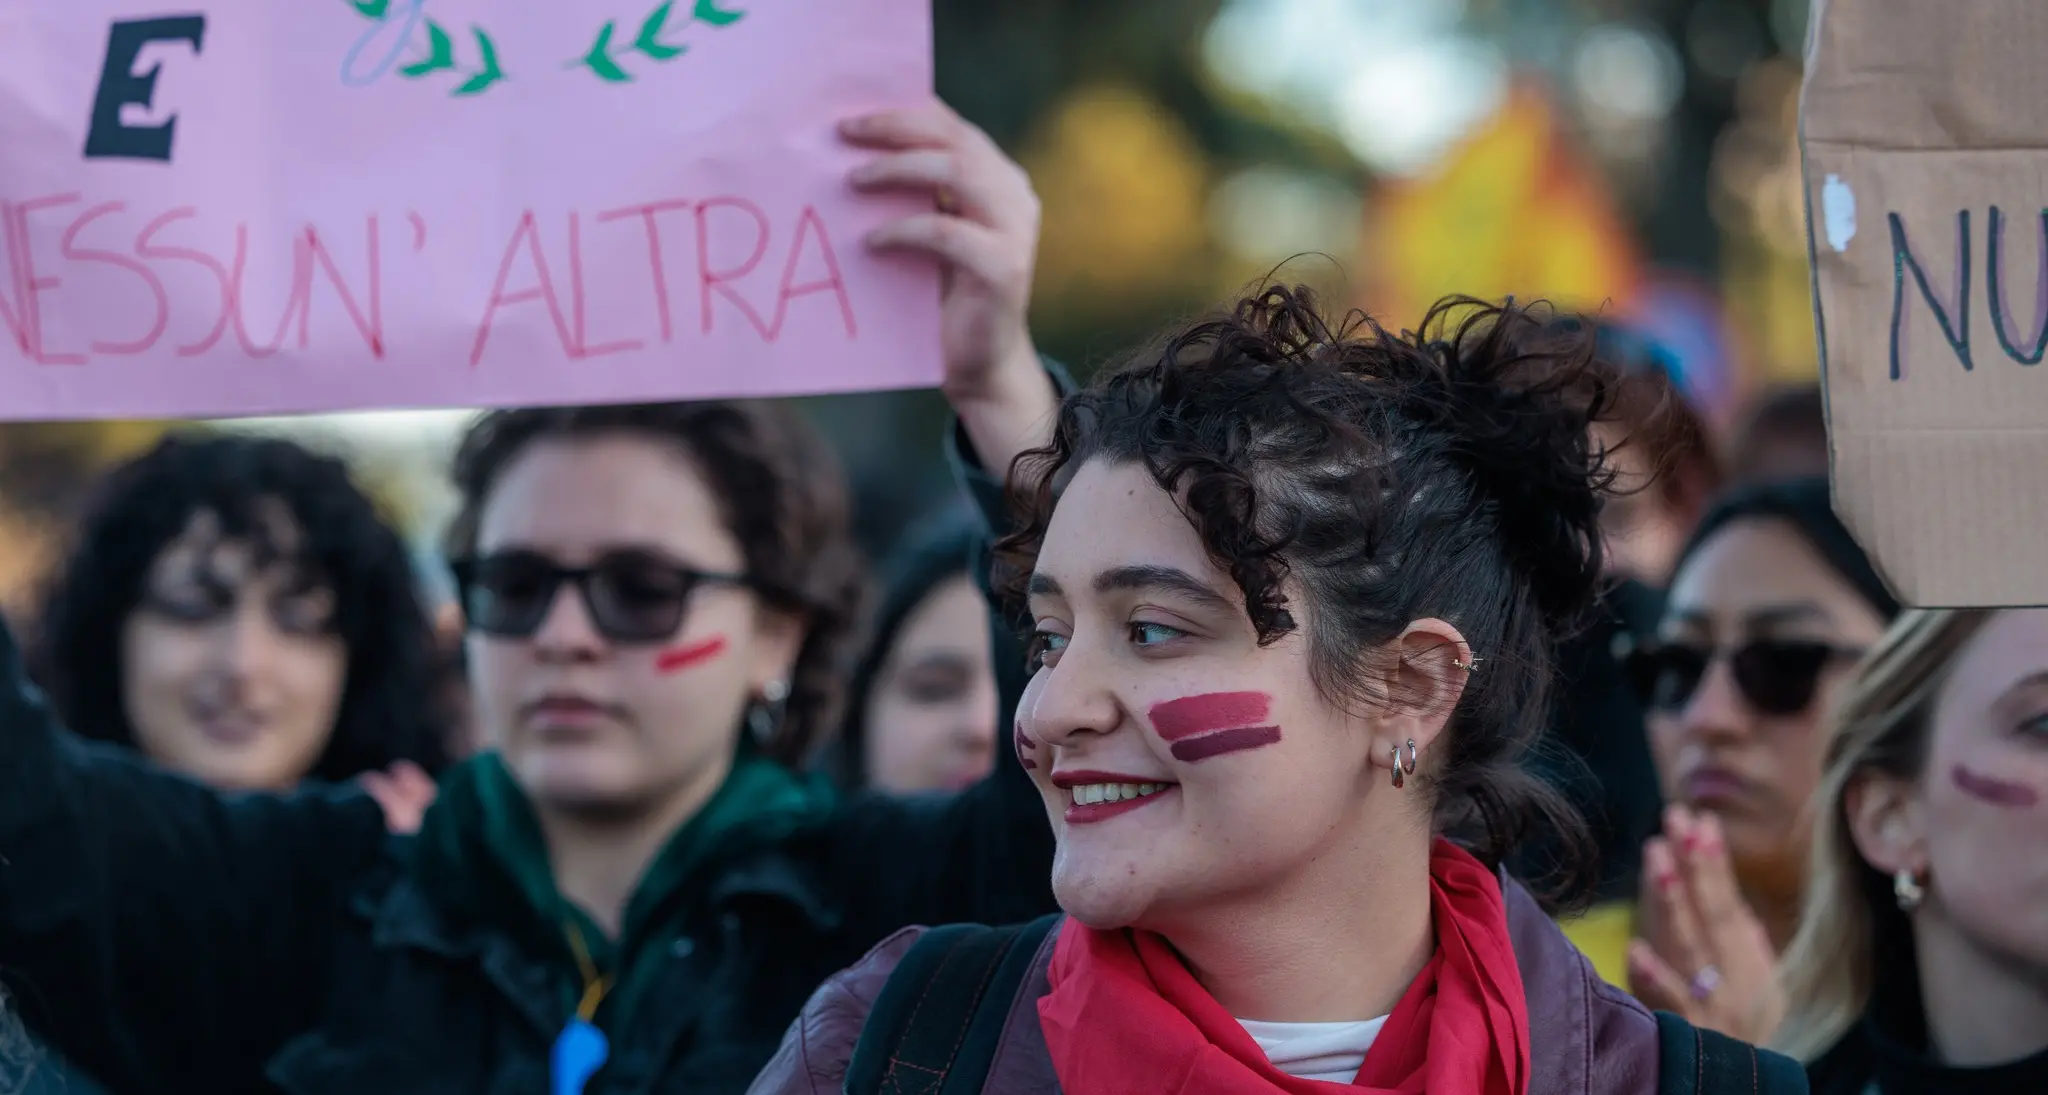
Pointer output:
x,y
170,938
1596,748
1887,1051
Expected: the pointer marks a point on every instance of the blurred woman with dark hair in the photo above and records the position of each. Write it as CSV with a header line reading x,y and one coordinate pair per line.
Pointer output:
x,y
922,712
1773,604
1596,748
1662,452
236,610
1782,435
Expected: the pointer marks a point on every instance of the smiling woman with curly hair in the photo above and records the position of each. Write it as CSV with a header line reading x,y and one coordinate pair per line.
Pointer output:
x,y
1295,583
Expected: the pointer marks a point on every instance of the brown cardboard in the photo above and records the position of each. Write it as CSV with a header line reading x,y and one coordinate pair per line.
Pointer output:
x,y
1933,116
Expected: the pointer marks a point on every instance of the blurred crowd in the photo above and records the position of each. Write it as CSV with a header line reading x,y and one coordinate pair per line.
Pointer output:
x,y
681,754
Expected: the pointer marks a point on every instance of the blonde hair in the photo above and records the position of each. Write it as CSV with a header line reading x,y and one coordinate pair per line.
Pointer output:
x,y
1879,724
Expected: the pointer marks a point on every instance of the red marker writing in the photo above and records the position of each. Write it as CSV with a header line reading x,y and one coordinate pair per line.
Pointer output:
x,y
1214,724
677,659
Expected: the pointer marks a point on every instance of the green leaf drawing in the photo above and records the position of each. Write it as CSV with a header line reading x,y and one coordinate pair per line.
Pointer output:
x,y
440,53
708,11
487,75
599,59
602,57
649,40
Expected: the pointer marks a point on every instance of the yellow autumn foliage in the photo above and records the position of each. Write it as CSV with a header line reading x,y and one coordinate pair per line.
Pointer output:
x,y
1124,189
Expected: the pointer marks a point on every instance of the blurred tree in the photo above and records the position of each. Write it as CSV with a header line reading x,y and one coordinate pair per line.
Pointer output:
x,y
28,551
46,473
1717,42
46,466
1125,131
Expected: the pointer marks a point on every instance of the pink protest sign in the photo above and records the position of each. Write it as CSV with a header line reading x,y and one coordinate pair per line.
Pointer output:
x,y
257,207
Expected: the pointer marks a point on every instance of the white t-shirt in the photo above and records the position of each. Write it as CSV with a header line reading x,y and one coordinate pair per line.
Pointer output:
x,y
1316,1051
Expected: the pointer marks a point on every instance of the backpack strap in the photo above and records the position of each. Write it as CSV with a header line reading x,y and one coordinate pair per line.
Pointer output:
x,y
935,1027
1697,1061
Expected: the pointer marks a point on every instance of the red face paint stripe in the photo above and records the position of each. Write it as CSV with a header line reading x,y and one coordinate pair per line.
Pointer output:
x,y
1024,746
683,657
1998,792
1224,741
1191,715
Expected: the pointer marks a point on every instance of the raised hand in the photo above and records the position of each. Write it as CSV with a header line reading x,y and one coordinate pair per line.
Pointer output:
x,y
983,228
404,791
1703,953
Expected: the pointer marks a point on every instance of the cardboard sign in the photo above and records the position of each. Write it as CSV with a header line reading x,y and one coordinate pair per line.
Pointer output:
x,y
1926,172
252,207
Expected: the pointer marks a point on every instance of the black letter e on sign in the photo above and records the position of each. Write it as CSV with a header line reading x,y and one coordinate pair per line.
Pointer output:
x,y
121,85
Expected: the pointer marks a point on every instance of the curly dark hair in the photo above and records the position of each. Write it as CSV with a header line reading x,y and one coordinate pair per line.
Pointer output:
x,y
784,499
343,544
1449,474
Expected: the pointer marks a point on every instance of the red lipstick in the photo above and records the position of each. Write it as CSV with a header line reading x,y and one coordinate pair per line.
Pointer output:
x,y
1075,777
1079,814
1712,787
566,711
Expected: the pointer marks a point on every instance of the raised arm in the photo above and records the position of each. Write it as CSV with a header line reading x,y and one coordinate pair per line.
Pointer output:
x,y
983,230
156,931
985,854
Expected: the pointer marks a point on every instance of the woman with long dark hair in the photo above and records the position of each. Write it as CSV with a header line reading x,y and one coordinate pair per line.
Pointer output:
x,y
1772,603
922,713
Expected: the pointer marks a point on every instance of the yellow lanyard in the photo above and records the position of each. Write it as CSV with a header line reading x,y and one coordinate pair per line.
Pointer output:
x,y
594,987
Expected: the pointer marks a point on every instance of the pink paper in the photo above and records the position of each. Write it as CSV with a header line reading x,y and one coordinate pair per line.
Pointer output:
x,y
454,203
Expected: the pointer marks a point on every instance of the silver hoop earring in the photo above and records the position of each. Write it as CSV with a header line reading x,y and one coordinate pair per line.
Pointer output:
x,y
1395,752
1409,764
1906,889
764,716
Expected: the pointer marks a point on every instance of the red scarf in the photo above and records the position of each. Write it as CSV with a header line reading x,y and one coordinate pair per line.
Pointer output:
x,y
1125,1015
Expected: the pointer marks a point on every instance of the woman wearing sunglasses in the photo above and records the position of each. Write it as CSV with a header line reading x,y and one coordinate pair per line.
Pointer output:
x,y
632,887
1921,964
1770,605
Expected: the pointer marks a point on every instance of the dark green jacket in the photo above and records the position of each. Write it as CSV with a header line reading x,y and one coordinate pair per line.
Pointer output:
x,y
165,937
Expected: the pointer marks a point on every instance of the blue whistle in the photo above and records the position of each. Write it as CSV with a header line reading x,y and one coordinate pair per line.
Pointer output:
x,y
580,1050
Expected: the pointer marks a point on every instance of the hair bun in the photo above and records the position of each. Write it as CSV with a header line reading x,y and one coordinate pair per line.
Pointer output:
x,y
1519,393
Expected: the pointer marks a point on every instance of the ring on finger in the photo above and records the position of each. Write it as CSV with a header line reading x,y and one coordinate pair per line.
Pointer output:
x,y
1705,982
949,202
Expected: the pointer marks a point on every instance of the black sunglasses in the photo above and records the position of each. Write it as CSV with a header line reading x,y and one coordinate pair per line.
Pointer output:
x,y
631,596
1775,676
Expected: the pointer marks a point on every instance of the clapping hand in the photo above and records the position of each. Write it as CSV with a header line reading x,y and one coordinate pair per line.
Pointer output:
x,y
1703,954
